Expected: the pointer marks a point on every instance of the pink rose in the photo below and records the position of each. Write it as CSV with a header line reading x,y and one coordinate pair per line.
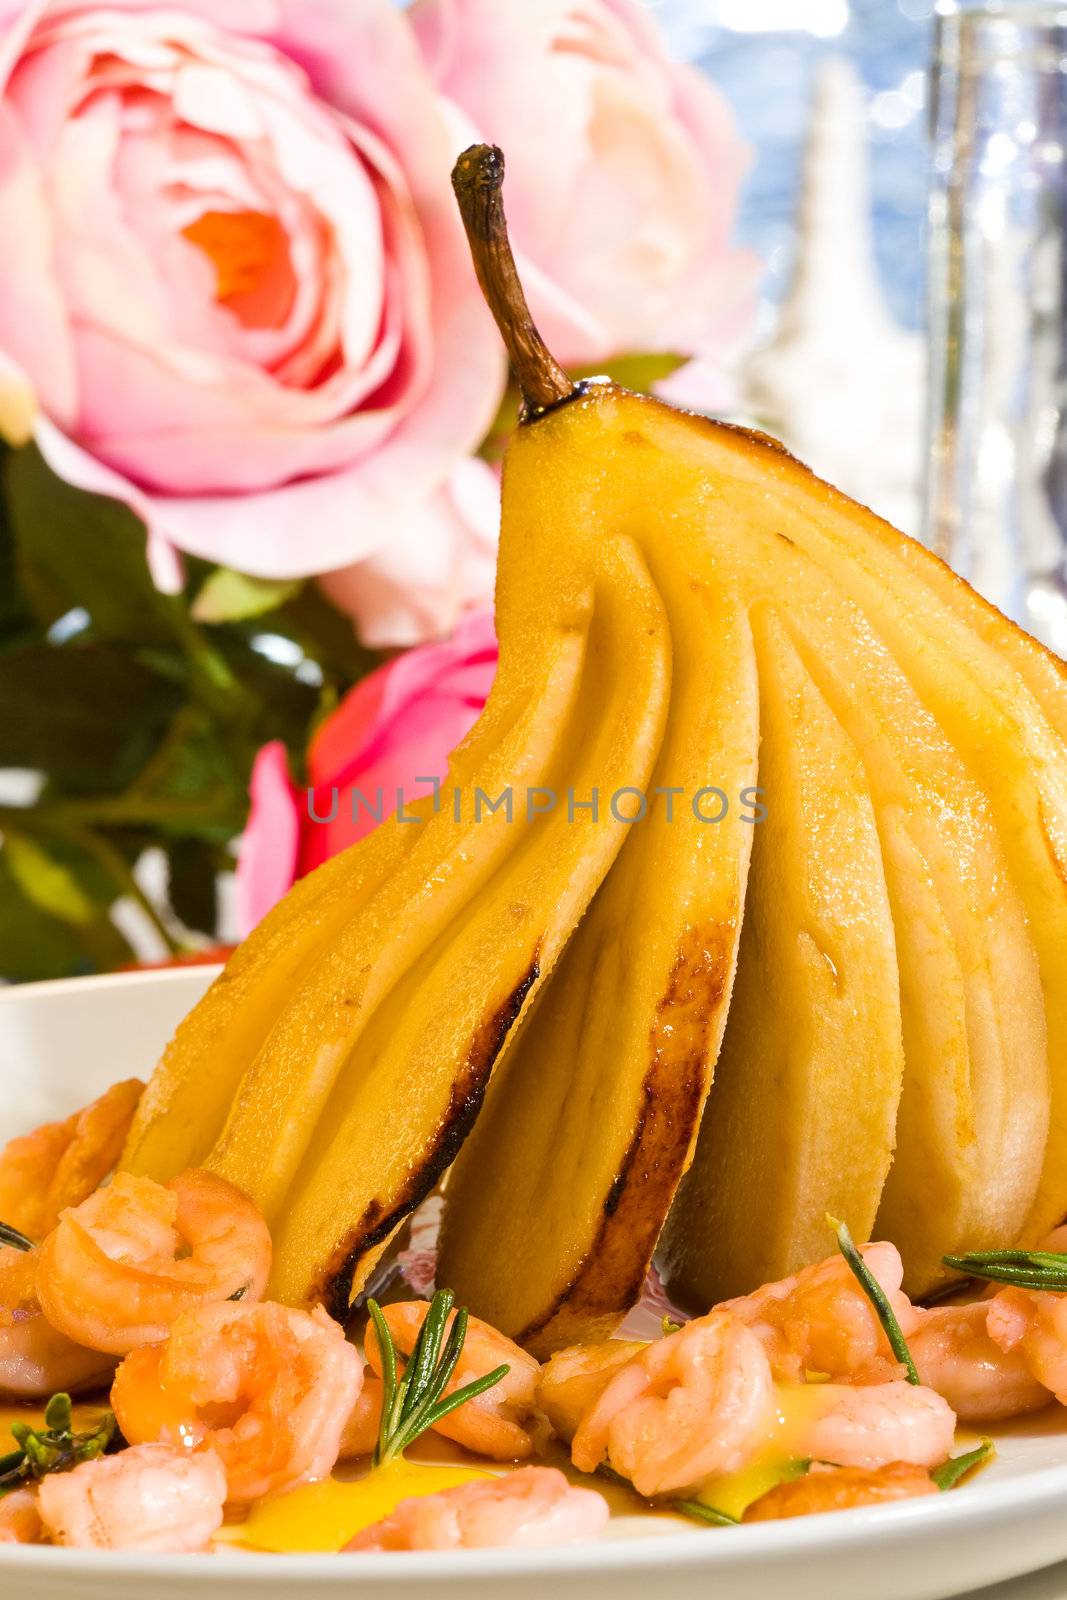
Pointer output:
x,y
623,169
435,566
234,274
390,734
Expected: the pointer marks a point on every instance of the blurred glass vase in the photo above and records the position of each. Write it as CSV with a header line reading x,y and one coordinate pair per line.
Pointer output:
x,y
996,502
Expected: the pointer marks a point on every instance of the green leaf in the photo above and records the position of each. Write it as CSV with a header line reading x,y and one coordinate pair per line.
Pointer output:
x,y
47,882
83,550
80,853
194,786
194,866
15,619
229,596
283,706
957,1468
34,944
639,371
88,715
326,636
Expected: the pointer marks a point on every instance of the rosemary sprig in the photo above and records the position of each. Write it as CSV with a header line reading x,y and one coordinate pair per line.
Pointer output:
x,y
876,1295
11,1236
957,1467
55,1447
412,1399
1026,1269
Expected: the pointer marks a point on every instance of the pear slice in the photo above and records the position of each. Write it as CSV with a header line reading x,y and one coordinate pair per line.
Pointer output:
x,y
990,1144
991,689
183,1109
802,1115
416,1065
555,1205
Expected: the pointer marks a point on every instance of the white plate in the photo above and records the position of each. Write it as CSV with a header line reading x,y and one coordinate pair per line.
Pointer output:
x,y
62,1043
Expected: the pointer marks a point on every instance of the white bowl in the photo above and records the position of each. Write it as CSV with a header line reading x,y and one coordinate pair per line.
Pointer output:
x,y
62,1043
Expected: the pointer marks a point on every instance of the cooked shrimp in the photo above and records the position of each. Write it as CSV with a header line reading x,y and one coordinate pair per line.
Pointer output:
x,y
122,1266
534,1506
35,1359
150,1498
269,1388
981,1382
62,1163
494,1423
574,1379
1031,1324
686,1407
841,1489
20,1519
360,1434
821,1320
871,1425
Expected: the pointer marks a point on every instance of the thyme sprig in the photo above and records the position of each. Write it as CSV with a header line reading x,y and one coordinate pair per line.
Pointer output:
x,y
412,1396
11,1236
950,1473
55,1447
878,1298
1026,1269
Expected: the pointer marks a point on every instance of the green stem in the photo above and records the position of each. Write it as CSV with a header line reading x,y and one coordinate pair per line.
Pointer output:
x,y
116,868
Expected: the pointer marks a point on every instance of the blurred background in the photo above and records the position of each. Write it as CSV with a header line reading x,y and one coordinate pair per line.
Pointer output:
x,y
764,55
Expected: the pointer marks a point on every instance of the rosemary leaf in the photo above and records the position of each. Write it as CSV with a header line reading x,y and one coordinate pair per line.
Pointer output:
x,y
702,1513
59,1414
420,1369
958,1467
1025,1269
877,1296
388,1350
477,1386
11,1236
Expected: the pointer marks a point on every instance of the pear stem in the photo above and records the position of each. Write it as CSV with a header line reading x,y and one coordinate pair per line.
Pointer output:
x,y
478,178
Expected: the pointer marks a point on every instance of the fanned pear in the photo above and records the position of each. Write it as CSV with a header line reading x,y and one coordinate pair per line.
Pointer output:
x,y
708,658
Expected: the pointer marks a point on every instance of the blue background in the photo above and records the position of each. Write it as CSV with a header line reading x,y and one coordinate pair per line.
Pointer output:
x,y
766,71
